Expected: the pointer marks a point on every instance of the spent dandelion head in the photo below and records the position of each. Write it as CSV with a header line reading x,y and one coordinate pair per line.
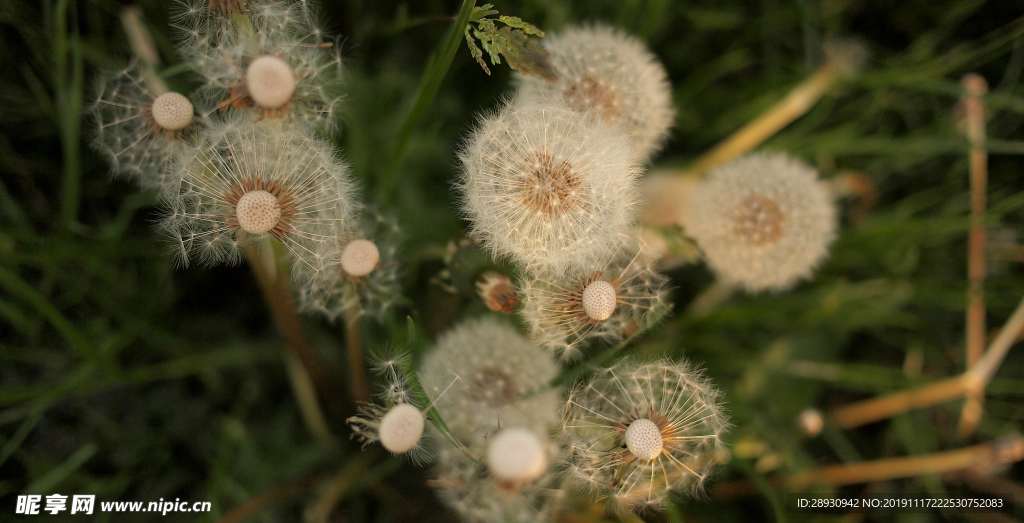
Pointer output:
x,y
274,61
362,272
547,187
244,182
634,432
502,381
497,292
140,129
398,423
610,304
604,70
473,491
763,221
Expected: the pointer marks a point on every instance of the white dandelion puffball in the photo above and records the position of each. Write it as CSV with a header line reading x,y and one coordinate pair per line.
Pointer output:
x,y
172,111
270,81
498,378
637,431
763,221
547,187
140,131
516,455
359,257
243,182
401,428
604,70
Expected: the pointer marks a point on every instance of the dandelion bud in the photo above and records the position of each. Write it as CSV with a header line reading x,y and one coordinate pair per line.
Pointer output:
x,y
172,111
763,221
359,257
516,455
270,81
605,71
497,292
547,187
401,428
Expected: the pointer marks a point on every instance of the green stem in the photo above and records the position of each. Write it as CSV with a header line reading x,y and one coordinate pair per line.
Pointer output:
x,y
68,94
437,69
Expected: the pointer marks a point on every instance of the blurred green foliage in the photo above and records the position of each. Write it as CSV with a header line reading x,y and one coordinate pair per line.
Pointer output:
x,y
127,378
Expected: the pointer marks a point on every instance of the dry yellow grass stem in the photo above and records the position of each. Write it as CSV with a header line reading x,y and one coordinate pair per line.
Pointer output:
x,y
985,457
975,88
142,46
793,106
972,381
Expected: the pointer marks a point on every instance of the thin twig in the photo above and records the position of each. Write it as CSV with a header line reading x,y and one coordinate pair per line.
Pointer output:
x,y
974,90
974,379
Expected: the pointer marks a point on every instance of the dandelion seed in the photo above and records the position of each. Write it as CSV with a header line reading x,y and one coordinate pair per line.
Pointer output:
x,y
503,381
564,313
279,64
362,271
246,182
637,431
763,221
604,70
140,130
547,187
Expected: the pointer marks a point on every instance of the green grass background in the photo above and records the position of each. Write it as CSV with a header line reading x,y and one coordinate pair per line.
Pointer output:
x,y
127,378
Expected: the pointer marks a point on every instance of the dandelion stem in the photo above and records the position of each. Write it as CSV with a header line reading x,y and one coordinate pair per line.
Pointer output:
x,y
975,88
305,395
272,274
141,42
794,105
974,379
339,485
354,346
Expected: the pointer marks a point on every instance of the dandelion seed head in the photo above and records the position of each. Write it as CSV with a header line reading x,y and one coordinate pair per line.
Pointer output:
x,y
172,111
401,428
244,181
501,379
359,257
763,221
565,313
516,455
614,75
637,431
547,187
